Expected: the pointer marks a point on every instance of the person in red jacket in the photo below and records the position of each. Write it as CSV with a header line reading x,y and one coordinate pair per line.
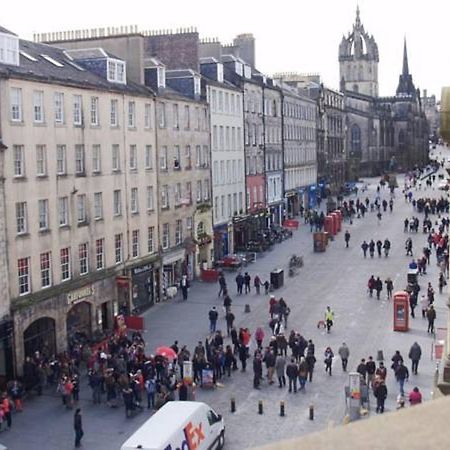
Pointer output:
x,y
415,397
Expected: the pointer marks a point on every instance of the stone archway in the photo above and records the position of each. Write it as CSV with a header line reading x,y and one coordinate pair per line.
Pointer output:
x,y
40,336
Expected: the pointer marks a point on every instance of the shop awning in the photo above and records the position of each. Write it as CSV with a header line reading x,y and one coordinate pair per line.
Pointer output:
x,y
173,257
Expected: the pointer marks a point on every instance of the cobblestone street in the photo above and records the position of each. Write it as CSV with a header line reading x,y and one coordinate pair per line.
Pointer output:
x,y
337,278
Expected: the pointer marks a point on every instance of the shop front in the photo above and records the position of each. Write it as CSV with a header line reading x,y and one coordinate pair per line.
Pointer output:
x,y
292,204
53,320
145,291
222,241
6,352
275,215
175,265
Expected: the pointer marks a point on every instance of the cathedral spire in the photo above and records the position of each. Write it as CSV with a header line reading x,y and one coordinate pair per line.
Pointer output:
x,y
405,70
358,20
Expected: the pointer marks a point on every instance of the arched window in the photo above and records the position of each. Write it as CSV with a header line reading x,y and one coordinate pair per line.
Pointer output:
x,y
200,229
355,144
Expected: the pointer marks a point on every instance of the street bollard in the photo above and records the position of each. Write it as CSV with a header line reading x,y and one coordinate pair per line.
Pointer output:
x,y
233,405
260,407
311,412
247,308
282,408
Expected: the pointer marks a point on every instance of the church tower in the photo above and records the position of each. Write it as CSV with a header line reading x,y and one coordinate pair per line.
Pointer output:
x,y
405,82
358,61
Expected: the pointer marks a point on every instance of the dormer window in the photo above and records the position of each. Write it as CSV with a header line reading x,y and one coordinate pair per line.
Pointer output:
x,y
220,72
197,86
161,77
239,68
116,71
247,71
9,49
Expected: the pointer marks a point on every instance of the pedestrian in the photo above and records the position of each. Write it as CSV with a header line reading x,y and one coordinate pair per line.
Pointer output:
x,y
257,284
280,365
389,287
408,247
257,371
272,303
229,318
362,369
16,393
213,315
371,285
413,303
378,287
371,248
381,371
310,359
243,356
5,407
379,245
402,375
78,427
379,216
364,247
424,304
259,336
329,318
387,247
396,360
247,281
150,388
269,359
292,374
302,373
266,287
329,355
380,393
442,282
347,238
415,353
184,286
431,316
223,284
415,396
239,283
371,368
344,353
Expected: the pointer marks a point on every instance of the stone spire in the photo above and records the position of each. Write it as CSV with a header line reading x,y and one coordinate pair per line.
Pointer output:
x,y
405,70
405,82
358,20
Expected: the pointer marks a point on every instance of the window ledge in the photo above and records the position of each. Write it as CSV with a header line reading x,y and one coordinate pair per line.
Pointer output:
x,y
80,174
61,175
164,208
44,231
98,219
39,124
22,235
19,178
117,216
96,173
85,223
64,227
149,169
134,213
17,123
150,211
42,177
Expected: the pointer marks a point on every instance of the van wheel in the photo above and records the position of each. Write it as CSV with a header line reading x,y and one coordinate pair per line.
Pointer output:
x,y
221,442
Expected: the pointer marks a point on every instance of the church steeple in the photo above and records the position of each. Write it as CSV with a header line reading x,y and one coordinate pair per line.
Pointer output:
x,y
358,20
405,70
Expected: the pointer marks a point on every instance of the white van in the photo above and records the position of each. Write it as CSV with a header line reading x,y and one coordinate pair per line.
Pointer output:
x,y
180,426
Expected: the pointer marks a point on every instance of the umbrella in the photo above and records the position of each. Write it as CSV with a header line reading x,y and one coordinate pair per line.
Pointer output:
x,y
167,352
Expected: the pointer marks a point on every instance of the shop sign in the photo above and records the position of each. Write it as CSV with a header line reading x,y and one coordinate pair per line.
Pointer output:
x,y
79,294
138,270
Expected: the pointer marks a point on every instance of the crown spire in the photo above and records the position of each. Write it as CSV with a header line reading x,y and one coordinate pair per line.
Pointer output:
x,y
358,20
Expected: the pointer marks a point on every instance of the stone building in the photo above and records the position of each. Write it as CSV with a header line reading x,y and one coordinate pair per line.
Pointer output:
x,y
431,109
80,205
227,153
382,132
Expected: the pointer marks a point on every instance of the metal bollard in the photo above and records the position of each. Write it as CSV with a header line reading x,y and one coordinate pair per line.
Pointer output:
x,y
281,408
233,405
311,412
260,407
247,308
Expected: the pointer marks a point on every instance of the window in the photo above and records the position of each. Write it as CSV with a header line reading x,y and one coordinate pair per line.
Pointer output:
x,y
19,160
59,107
135,243
230,211
41,160
205,156
199,191
65,263
23,266
43,214
21,218
162,115
176,120
117,198
189,223
46,272
197,118
98,206
116,71
187,117
9,49
131,114
177,193
16,104
165,196
221,138
118,248
178,232
83,256
96,159
206,189
81,208
63,211
198,155
79,159
214,137
150,199
189,192
148,116
151,239
188,157
220,101
148,157
114,113
213,100
133,157
77,110
38,106
115,158
134,201
163,158
94,112
216,208
100,253
165,236
61,159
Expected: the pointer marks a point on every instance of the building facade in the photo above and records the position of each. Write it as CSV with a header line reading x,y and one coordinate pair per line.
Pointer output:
x,y
227,154
78,172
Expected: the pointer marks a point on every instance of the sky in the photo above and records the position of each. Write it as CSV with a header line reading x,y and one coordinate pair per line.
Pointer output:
x,y
291,36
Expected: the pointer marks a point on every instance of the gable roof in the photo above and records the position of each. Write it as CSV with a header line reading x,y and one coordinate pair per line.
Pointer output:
x,y
5,31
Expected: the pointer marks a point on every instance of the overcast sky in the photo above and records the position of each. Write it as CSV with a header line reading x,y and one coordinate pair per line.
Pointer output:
x,y
291,35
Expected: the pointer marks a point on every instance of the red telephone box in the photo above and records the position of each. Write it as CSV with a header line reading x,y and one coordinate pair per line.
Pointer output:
x,y
339,216
328,225
401,311
336,225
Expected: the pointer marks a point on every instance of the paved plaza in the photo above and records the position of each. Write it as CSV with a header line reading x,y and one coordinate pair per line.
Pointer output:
x,y
337,278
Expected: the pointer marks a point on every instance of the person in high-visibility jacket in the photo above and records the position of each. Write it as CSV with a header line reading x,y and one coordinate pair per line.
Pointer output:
x,y
329,317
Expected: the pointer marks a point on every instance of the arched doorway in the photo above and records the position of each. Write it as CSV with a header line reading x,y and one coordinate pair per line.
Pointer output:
x,y
79,323
40,336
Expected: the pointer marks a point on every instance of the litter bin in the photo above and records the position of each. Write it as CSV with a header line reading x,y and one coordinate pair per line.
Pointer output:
x,y
277,278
